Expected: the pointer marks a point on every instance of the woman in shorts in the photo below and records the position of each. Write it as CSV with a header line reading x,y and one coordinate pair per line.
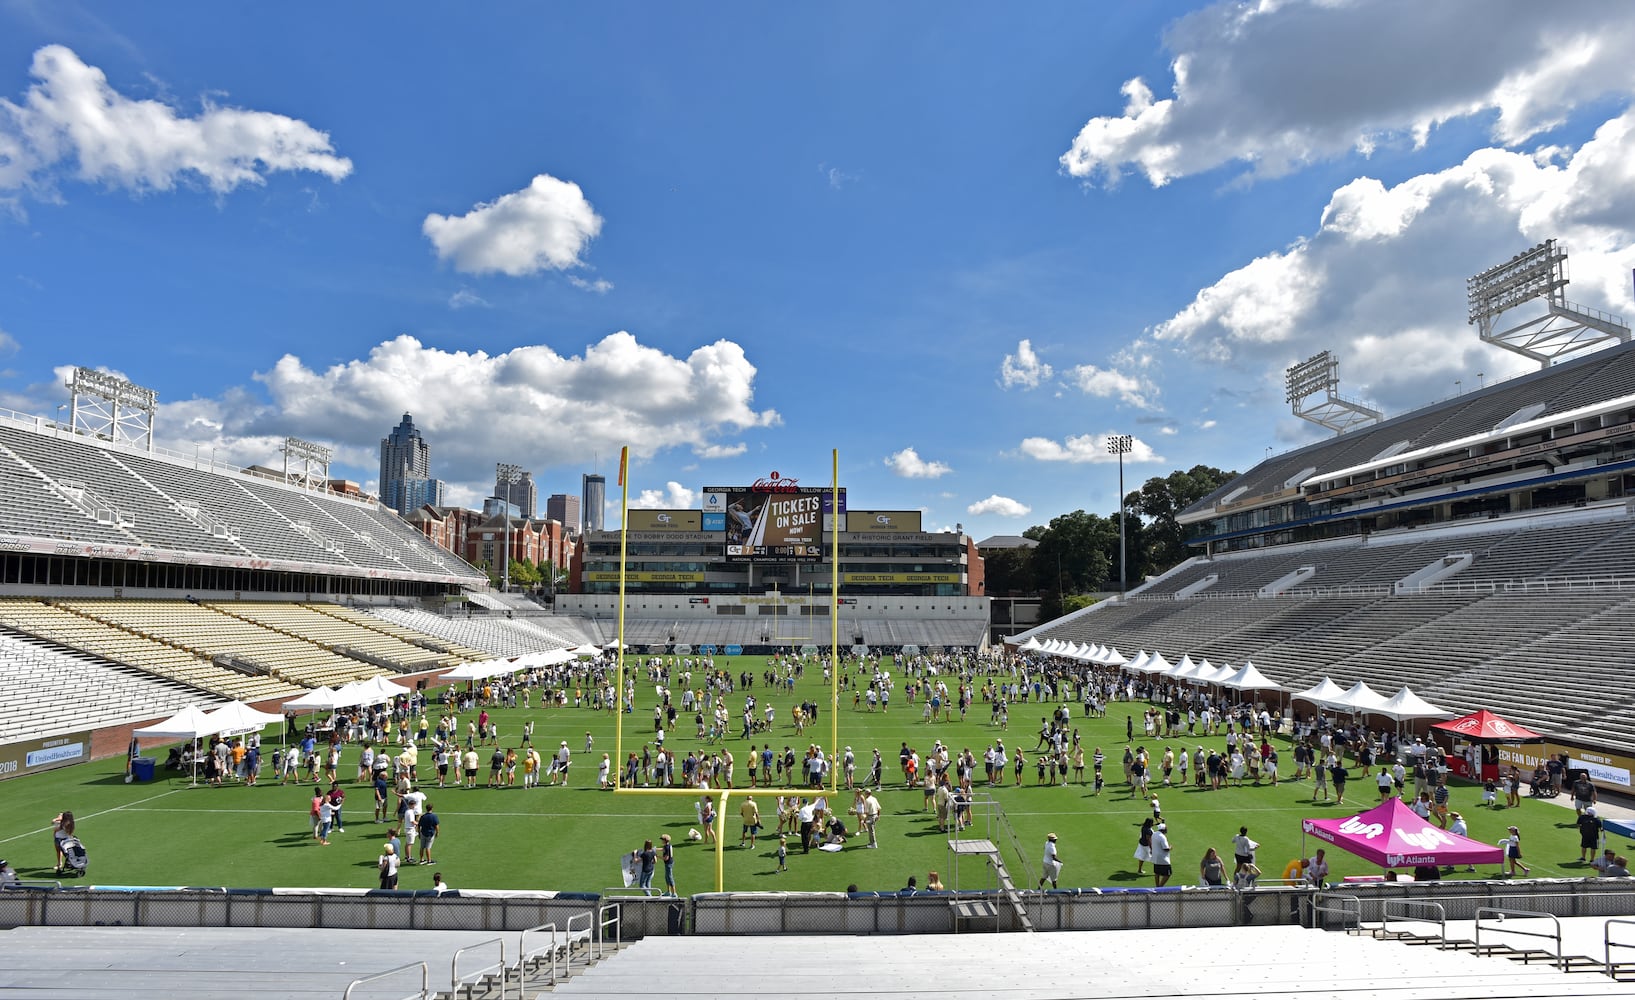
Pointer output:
x,y
1143,847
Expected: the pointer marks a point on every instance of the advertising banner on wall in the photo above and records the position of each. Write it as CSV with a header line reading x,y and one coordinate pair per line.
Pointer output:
x,y
29,756
664,520
890,521
1608,770
643,576
862,578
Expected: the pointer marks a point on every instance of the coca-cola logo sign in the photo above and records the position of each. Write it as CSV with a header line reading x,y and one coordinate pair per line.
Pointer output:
x,y
775,483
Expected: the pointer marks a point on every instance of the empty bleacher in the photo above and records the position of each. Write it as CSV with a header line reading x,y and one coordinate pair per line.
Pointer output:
x,y
46,691
1538,627
158,502
155,655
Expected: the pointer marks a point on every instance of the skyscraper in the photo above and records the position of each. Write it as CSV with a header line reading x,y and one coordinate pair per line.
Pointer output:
x,y
405,469
522,494
563,509
595,498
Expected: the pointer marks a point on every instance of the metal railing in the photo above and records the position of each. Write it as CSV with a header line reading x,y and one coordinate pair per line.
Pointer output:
x,y
470,982
607,915
425,980
1398,908
551,952
1487,917
1349,909
1608,944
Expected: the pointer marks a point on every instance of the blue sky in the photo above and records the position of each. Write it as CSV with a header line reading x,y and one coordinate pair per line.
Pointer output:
x,y
961,244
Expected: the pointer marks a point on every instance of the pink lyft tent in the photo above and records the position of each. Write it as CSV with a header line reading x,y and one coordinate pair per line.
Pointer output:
x,y
1393,836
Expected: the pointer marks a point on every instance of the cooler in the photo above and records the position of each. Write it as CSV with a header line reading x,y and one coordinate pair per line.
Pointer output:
x,y
141,768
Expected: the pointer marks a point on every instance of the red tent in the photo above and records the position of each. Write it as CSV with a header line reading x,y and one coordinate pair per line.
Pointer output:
x,y
1392,835
1485,727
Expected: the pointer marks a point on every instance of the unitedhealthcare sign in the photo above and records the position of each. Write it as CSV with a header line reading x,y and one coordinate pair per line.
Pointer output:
x,y
17,759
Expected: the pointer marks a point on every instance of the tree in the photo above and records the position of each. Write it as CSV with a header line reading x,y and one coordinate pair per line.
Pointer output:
x,y
1072,557
1009,572
1159,501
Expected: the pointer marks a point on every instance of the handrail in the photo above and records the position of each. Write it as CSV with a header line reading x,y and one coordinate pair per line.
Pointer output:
x,y
1499,916
1608,943
454,968
603,923
523,953
1352,907
1441,917
425,979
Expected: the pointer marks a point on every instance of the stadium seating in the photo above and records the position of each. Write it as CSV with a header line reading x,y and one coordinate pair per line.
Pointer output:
x,y
139,499
45,691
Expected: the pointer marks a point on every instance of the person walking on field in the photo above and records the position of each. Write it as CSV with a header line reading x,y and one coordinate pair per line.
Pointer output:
x,y
1052,864
750,813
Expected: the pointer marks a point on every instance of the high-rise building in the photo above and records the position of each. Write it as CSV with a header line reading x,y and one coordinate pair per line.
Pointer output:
x,y
594,499
405,459
522,494
563,509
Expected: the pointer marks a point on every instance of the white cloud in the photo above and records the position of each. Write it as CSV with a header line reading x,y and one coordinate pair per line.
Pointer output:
x,y
72,120
550,410
1206,425
908,464
1003,506
545,226
1381,280
1168,431
600,286
1085,448
1276,84
836,177
721,450
465,298
1023,368
674,496
1109,383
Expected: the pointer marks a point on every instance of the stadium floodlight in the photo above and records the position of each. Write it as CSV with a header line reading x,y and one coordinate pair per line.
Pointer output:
x,y
1319,376
1539,272
507,475
106,406
311,462
1121,445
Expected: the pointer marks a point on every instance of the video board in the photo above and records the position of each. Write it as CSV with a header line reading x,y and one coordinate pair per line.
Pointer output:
x,y
773,520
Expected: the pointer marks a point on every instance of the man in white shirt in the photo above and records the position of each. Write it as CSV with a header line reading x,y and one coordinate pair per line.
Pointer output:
x,y
1053,863
1161,867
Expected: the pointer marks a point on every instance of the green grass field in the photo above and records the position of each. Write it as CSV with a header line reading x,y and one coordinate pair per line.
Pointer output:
x,y
570,838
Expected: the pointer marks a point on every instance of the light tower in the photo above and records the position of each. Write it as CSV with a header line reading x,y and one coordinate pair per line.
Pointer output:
x,y
509,475
306,463
1320,375
1564,327
1121,445
111,408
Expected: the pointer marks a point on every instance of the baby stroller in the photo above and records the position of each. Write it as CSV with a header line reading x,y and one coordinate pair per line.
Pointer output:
x,y
74,858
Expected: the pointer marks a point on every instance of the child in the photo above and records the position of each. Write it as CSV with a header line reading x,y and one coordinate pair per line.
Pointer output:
x,y
783,854
1490,793
1155,810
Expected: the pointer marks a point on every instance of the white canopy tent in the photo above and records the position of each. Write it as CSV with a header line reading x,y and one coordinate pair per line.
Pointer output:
x,y
189,724
1113,658
1156,664
1249,678
1138,664
1325,693
1407,705
1184,670
1361,698
238,719
319,699
1026,647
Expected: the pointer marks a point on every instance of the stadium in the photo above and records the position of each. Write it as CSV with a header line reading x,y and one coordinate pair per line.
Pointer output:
x,y
1474,550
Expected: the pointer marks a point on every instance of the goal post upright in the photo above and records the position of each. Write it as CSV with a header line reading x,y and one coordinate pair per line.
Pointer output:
x,y
722,796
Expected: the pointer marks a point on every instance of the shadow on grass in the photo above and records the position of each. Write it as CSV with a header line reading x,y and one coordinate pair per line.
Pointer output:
x,y
1123,876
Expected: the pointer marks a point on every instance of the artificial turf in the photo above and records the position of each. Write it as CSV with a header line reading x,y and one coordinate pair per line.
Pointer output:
x,y
571,838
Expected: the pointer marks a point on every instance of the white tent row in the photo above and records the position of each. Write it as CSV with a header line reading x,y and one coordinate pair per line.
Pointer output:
x,y
370,692
232,719
1405,704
